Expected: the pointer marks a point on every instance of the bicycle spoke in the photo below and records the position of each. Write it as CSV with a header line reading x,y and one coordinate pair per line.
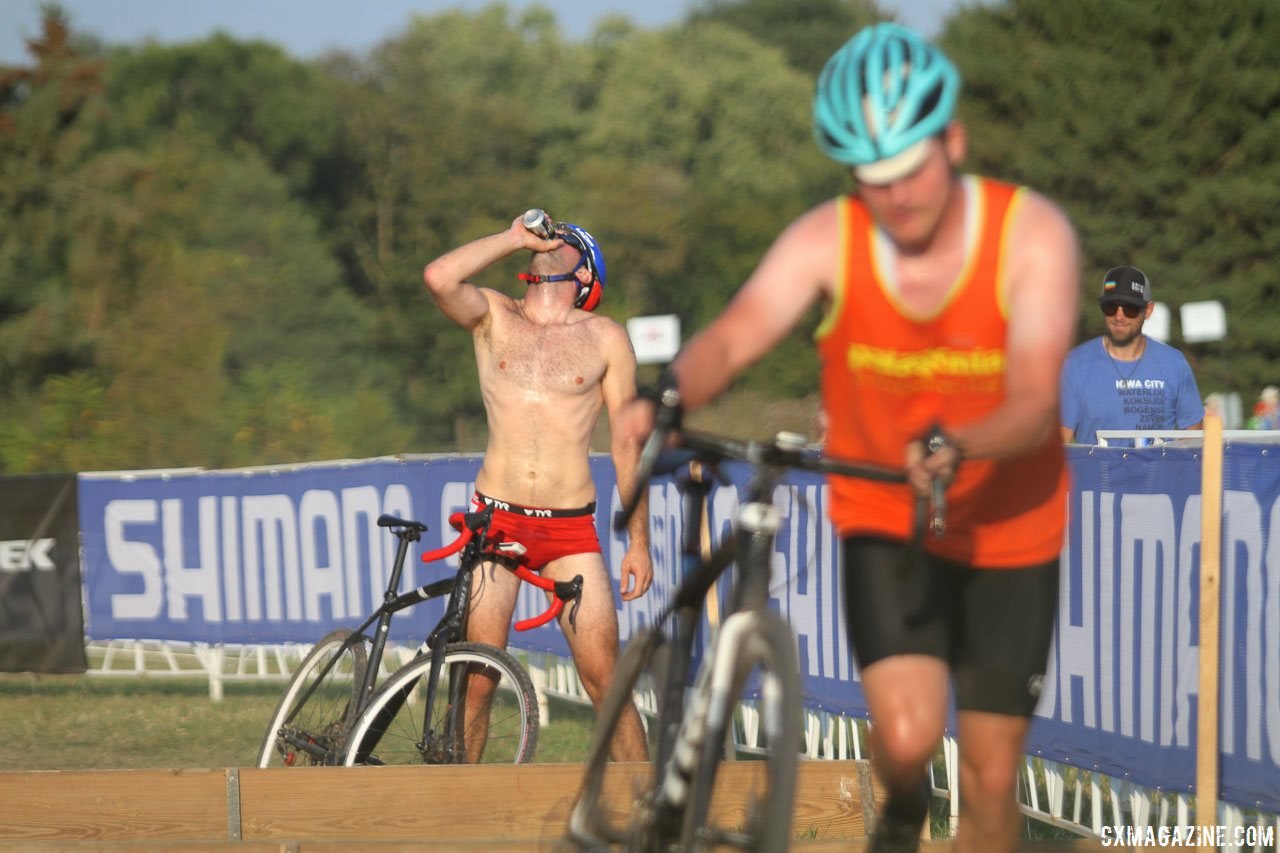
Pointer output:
x,y
485,711
310,722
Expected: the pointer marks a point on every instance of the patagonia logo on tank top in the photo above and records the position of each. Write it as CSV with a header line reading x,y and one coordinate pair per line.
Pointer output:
x,y
934,368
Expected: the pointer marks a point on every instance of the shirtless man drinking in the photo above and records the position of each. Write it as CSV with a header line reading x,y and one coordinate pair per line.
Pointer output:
x,y
547,366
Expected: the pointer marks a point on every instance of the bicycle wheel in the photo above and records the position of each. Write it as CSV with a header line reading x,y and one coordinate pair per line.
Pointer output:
x,y
501,728
640,672
755,657
308,724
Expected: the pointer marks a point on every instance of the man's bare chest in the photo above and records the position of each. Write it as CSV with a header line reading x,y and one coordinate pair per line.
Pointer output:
x,y
556,360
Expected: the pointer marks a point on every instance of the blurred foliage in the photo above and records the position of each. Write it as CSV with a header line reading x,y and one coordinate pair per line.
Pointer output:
x,y
213,251
1154,126
807,31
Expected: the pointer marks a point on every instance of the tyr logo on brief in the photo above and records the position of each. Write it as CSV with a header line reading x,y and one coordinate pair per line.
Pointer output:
x,y
539,513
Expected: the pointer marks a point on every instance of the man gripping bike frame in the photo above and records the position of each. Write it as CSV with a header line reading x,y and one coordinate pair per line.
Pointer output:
x,y
951,300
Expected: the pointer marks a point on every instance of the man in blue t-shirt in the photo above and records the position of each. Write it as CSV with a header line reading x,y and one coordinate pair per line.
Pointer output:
x,y
1125,380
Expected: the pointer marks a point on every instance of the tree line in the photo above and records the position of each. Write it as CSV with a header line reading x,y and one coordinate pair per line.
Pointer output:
x,y
213,250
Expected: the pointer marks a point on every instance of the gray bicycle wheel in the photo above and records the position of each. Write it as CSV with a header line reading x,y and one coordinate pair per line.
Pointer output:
x,y
639,672
308,724
505,731
748,806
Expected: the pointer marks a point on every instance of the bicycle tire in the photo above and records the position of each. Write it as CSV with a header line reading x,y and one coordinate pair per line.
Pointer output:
x,y
639,669
764,647
317,706
390,729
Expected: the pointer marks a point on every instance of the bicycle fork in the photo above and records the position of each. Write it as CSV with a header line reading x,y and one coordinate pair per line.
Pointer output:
x,y
714,694
712,700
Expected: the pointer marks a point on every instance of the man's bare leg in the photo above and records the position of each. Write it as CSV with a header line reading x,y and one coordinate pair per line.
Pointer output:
x,y
493,601
594,645
991,747
907,696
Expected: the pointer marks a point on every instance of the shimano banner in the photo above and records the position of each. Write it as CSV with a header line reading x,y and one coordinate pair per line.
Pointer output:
x,y
1120,694
277,555
41,619
287,554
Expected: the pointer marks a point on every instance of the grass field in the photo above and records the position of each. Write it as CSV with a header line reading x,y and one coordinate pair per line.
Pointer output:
x,y
82,722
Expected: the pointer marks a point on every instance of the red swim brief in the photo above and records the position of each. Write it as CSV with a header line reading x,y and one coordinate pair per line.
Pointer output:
x,y
546,534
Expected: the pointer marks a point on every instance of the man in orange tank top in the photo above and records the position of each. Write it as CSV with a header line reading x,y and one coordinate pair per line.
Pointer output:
x,y
950,301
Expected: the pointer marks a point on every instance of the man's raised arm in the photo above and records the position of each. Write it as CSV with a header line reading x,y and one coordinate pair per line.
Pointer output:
x,y
446,276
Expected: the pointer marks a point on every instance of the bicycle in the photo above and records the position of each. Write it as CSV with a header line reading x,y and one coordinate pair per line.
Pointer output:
x,y
334,712
753,651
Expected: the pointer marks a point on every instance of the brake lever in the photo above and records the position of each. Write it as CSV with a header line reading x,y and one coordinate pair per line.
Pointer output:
x,y
571,591
935,442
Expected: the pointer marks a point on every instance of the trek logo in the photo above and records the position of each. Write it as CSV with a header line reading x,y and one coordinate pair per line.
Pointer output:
x,y
24,555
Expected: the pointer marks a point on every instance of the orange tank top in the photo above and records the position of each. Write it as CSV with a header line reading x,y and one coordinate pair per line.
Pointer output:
x,y
887,376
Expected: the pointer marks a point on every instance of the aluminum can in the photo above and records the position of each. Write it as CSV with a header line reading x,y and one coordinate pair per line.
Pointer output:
x,y
537,221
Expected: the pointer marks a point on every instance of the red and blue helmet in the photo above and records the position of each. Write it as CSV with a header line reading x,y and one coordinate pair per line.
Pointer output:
x,y
589,295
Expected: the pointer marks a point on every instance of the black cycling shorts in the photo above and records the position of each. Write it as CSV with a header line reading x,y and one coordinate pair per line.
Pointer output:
x,y
992,627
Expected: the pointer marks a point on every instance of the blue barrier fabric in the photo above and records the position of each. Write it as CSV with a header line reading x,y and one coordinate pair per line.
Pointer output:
x,y
284,555
1121,693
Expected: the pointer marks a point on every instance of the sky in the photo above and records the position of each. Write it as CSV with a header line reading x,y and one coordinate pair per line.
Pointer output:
x,y
307,28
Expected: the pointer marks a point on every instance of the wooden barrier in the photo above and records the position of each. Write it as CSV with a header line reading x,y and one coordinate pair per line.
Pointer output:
x,y
469,804
494,802
105,805
326,809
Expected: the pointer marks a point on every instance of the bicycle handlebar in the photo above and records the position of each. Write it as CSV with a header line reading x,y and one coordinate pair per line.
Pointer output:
x,y
562,591
466,532
468,525
785,450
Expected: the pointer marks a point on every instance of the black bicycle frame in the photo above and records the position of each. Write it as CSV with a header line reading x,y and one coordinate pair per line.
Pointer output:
x,y
451,628
747,548
686,611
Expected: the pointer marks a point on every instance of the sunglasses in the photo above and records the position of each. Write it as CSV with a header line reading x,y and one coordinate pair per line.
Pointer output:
x,y
1130,311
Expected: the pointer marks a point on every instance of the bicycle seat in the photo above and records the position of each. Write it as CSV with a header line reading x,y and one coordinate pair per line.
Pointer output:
x,y
385,520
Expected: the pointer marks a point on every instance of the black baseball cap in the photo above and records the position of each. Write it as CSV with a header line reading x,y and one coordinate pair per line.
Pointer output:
x,y
1126,285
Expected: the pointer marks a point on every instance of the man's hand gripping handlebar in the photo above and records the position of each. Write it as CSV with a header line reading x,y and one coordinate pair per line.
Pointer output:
x,y
938,521
472,524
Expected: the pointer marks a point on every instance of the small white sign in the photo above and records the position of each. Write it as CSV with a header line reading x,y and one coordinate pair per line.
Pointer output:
x,y
1157,325
1203,321
656,339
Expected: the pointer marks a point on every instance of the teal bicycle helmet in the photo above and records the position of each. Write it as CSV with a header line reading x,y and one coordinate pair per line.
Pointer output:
x,y
880,98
